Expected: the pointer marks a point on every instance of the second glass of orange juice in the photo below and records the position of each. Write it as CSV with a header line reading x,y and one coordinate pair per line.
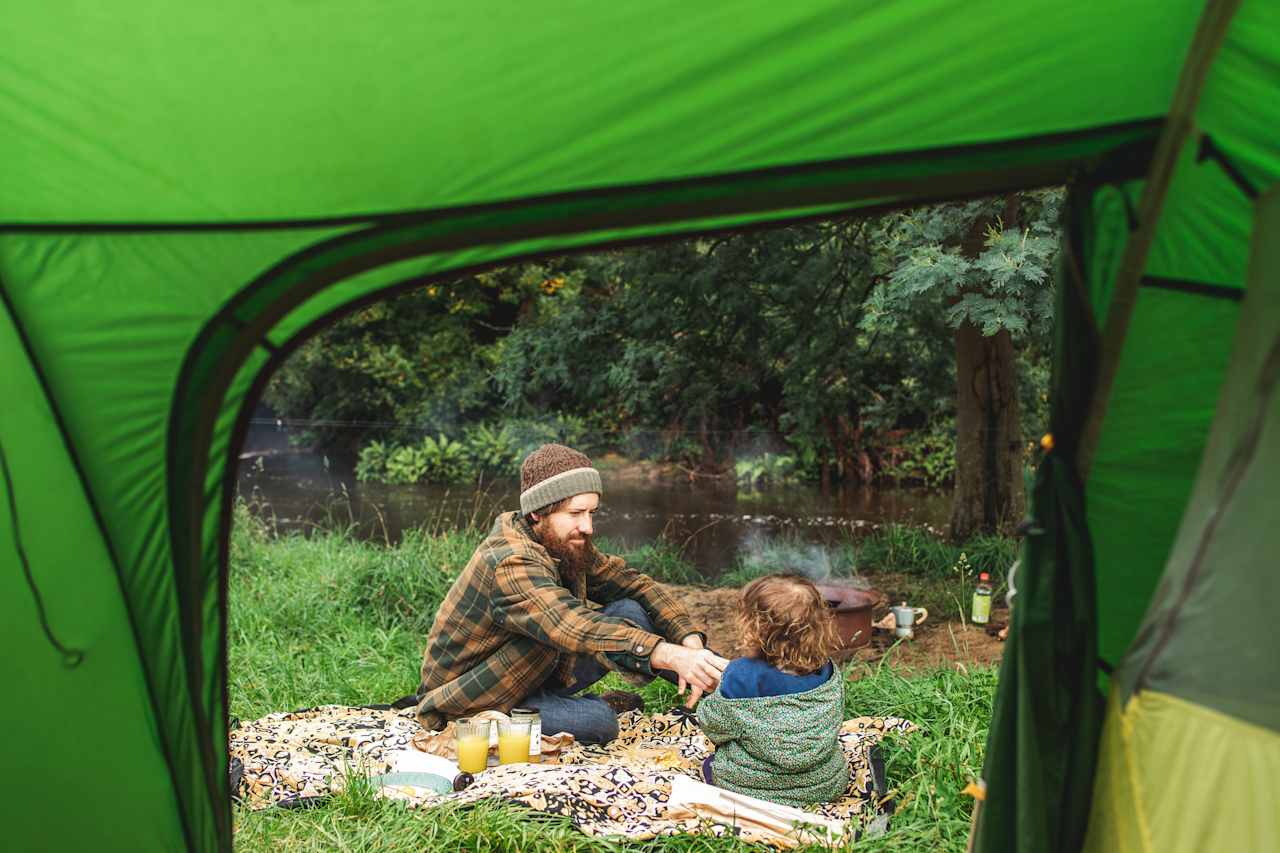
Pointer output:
x,y
513,741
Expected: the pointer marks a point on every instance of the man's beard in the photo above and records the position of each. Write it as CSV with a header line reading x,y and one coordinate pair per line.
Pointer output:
x,y
575,557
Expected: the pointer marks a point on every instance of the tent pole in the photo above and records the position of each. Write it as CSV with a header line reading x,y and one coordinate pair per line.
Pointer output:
x,y
1179,126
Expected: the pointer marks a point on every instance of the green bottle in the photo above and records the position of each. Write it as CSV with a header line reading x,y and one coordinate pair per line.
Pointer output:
x,y
981,613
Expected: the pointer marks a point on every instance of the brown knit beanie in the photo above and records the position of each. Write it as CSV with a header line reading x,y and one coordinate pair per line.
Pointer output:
x,y
552,473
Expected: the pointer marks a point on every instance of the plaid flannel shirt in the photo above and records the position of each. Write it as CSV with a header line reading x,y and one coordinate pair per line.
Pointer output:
x,y
508,623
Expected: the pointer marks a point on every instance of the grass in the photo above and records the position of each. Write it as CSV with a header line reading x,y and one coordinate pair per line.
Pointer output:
x,y
332,620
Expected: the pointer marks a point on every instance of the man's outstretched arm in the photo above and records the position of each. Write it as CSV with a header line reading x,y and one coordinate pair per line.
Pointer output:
x,y
528,599
612,579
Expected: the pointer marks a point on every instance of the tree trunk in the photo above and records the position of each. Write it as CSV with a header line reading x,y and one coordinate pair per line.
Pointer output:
x,y
989,493
988,489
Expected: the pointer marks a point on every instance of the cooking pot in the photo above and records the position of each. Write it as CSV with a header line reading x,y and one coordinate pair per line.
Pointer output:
x,y
852,608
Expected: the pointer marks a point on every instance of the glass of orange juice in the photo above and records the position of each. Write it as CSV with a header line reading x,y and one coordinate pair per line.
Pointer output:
x,y
513,741
473,744
535,731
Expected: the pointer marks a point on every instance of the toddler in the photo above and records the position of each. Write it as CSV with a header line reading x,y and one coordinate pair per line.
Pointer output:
x,y
775,718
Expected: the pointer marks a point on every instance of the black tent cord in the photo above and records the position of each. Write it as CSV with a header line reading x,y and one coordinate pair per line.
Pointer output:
x,y
71,658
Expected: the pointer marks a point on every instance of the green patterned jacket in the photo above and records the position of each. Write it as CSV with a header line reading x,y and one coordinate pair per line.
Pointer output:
x,y
784,749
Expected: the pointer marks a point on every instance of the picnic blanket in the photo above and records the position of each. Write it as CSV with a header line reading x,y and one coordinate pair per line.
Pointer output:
x,y
621,788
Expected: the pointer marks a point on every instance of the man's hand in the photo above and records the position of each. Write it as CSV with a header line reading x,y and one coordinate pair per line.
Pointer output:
x,y
692,641
696,668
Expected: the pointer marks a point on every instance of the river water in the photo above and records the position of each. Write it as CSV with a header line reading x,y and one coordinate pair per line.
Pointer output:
x,y
714,524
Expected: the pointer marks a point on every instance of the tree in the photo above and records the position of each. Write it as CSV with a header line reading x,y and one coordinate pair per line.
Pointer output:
x,y
719,336
417,362
987,264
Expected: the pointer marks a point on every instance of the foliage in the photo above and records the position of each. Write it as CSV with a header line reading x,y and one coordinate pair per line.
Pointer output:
x,y
447,461
480,450
406,464
491,449
992,554
971,260
716,338
1033,391
767,469
439,459
987,264
903,548
418,360
371,464
926,456
830,343
576,431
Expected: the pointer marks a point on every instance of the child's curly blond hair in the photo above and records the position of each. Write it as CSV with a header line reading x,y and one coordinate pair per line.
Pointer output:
x,y
784,620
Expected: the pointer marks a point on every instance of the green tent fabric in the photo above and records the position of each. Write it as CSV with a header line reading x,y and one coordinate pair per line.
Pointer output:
x,y
1196,697
186,193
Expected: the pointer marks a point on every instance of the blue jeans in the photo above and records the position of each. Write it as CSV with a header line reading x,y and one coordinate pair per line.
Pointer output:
x,y
588,718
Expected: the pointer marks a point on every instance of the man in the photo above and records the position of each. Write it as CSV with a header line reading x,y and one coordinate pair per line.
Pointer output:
x,y
518,629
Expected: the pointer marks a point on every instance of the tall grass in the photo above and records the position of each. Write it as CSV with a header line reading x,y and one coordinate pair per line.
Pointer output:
x,y
661,560
329,619
927,770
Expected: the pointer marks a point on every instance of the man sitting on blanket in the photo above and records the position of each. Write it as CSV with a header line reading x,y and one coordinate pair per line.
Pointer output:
x,y
518,628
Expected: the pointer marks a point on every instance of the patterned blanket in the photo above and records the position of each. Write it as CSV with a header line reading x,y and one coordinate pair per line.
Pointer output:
x,y
619,789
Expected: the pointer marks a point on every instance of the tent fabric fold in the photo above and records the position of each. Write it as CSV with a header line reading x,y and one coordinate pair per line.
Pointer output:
x,y
1047,703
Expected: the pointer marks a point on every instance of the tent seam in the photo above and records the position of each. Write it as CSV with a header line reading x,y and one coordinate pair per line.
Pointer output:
x,y
1195,288
416,216
1179,125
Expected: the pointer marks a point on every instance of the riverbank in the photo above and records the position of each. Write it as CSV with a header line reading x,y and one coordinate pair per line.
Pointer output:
x,y
329,619
714,523
400,586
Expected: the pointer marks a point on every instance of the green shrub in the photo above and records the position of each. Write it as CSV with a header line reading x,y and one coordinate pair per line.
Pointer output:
x,y
447,460
925,456
992,554
249,530
483,448
903,548
492,449
406,464
371,465
770,469
439,459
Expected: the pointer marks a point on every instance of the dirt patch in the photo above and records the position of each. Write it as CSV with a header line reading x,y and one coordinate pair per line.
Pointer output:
x,y
938,643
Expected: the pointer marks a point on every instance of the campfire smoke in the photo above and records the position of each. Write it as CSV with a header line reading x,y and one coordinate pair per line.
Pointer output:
x,y
766,554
